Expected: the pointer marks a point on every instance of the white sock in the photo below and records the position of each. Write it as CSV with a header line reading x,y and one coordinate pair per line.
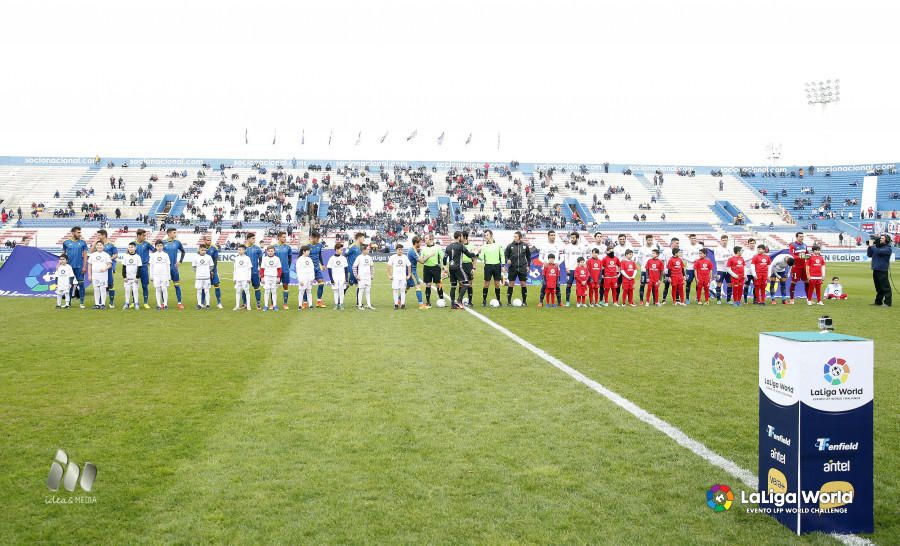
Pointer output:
x,y
59,298
402,297
396,296
247,295
369,296
199,296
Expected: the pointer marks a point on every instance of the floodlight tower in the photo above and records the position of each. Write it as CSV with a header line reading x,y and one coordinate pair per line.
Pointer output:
x,y
823,92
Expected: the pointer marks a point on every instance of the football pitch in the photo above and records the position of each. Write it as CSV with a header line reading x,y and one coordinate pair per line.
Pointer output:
x,y
409,426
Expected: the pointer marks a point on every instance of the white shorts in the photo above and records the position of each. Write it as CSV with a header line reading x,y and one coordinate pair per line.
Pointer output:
x,y
306,281
270,283
241,285
98,282
161,283
202,283
130,282
339,285
398,284
364,283
62,290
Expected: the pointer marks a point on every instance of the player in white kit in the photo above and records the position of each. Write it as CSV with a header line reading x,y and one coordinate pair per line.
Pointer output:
x,y
131,268
203,266
160,274
270,271
243,268
306,277
364,270
63,275
399,271
99,262
337,272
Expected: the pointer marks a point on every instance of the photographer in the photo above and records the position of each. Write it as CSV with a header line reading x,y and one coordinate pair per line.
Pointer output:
x,y
879,250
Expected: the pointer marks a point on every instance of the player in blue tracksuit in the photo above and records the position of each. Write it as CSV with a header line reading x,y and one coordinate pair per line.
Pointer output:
x,y
113,252
143,249
255,254
315,252
213,253
283,252
413,255
172,247
75,249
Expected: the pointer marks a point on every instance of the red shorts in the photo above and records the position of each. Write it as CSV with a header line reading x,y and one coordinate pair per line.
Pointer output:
x,y
610,282
798,274
676,280
627,284
595,282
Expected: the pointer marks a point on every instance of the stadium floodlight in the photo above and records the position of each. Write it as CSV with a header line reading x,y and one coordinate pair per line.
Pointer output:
x,y
823,92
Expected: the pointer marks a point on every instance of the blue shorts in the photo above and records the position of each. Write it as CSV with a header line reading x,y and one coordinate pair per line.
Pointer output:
x,y
780,275
173,271
285,277
79,276
254,279
215,277
320,277
723,277
413,280
643,277
144,274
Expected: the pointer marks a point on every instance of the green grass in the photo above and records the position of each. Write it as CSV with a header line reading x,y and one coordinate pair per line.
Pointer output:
x,y
403,427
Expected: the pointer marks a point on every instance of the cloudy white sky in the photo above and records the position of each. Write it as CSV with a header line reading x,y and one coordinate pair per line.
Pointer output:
x,y
704,82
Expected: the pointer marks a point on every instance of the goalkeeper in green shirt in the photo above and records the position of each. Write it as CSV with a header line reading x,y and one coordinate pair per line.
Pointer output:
x,y
491,256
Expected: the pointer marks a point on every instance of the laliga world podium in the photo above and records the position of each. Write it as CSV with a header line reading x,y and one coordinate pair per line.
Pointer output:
x,y
815,431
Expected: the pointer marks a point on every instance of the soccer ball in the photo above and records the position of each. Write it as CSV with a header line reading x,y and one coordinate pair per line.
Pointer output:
x,y
441,303
495,303
517,302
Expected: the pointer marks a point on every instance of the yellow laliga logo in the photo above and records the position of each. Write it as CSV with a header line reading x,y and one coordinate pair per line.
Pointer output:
x,y
827,496
777,481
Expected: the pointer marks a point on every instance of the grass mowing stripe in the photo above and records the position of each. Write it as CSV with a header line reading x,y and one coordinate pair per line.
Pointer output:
x,y
676,434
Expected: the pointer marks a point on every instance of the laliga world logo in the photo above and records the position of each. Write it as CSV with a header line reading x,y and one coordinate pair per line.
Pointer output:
x,y
719,497
40,278
836,371
779,366
70,475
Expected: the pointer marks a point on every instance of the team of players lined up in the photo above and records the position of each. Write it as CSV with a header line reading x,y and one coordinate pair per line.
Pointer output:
x,y
614,270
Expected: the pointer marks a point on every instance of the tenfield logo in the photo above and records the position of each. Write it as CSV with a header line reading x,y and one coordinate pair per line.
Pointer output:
x,y
770,430
824,444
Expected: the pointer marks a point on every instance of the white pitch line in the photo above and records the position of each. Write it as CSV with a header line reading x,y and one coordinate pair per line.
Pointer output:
x,y
673,432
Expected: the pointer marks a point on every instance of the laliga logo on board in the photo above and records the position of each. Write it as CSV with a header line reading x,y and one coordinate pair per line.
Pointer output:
x,y
836,371
719,497
779,370
779,366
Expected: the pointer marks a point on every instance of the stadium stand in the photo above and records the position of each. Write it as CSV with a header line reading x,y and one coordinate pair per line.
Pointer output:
x,y
40,196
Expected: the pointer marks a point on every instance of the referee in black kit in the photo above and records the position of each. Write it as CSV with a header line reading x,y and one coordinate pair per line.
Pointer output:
x,y
453,255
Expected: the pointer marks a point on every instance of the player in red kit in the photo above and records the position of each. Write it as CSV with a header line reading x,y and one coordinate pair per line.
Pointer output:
x,y
611,268
551,278
761,263
703,268
595,269
655,268
582,283
676,267
815,274
800,252
736,269
629,273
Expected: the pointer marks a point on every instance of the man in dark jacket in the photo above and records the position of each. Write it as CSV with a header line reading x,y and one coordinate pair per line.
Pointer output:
x,y
518,260
880,252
